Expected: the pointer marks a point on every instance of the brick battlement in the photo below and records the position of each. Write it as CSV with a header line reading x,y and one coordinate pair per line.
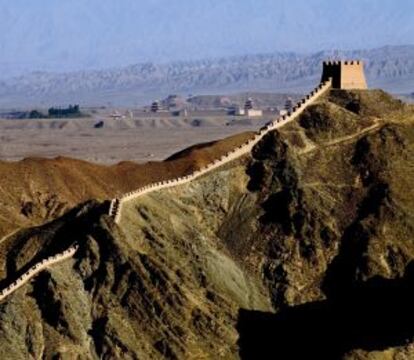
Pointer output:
x,y
344,62
346,74
35,269
115,208
337,74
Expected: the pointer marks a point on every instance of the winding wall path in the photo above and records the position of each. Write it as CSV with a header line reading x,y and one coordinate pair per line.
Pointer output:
x,y
35,269
115,208
116,204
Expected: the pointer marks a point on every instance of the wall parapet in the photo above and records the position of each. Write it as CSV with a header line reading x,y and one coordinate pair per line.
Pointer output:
x,y
116,204
35,269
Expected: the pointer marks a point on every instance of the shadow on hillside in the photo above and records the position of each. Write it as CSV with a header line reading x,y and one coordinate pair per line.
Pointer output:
x,y
50,238
371,316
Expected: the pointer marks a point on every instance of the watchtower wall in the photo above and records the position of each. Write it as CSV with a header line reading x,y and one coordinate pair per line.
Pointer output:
x,y
348,74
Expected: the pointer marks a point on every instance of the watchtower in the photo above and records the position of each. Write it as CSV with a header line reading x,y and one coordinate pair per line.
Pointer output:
x,y
347,74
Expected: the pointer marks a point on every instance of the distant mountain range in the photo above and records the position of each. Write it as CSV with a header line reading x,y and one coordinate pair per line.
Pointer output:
x,y
391,68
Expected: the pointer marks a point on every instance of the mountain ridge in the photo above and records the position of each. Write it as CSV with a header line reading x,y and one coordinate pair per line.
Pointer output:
x,y
320,207
389,67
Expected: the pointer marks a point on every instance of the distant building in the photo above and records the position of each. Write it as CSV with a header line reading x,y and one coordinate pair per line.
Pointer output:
x,y
249,109
117,115
129,114
239,111
155,106
254,112
182,112
248,105
235,110
288,106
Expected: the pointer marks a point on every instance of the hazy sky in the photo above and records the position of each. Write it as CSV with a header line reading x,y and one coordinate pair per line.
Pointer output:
x,y
63,35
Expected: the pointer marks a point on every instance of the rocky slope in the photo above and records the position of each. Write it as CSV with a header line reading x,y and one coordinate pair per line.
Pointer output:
x,y
36,190
302,249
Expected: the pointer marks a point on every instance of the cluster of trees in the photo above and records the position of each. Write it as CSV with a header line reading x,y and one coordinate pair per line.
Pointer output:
x,y
72,111
34,114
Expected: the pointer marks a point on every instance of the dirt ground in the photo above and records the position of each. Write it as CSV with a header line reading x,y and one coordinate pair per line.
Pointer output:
x,y
138,140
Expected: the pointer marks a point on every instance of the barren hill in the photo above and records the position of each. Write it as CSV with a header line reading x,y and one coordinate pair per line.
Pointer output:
x,y
301,249
36,190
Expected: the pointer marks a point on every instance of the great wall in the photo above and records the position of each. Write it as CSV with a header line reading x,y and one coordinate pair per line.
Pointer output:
x,y
115,208
35,269
348,74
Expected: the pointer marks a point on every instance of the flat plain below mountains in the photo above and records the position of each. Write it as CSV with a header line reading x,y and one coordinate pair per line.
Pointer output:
x,y
138,140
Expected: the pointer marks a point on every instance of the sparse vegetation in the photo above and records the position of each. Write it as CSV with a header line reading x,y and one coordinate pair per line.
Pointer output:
x,y
72,111
35,114
306,227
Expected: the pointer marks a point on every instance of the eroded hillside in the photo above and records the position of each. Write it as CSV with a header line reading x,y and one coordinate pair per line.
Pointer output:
x,y
280,251
37,190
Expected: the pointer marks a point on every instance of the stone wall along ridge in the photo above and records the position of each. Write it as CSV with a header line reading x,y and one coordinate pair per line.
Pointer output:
x,y
35,269
115,208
